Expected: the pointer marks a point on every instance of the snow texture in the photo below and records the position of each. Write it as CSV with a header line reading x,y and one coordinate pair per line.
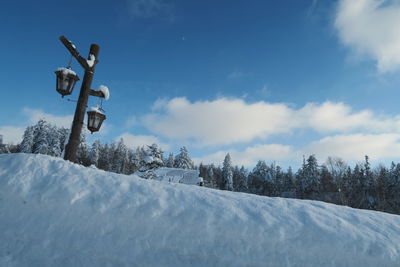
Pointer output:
x,y
55,213
104,89
66,71
176,175
91,60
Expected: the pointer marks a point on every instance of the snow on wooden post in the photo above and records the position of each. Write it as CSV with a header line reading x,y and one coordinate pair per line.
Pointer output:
x,y
89,66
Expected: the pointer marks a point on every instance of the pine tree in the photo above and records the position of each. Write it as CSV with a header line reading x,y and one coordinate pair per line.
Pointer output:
x,y
63,135
152,160
41,138
27,140
227,173
258,177
210,174
182,160
120,158
310,177
94,153
82,153
54,141
170,161
241,180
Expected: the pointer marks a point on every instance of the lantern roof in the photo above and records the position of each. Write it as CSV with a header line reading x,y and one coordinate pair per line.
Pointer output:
x,y
66,71
96,109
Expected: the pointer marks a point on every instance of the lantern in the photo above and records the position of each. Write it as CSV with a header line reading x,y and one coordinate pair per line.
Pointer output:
x,y
66,79
95,119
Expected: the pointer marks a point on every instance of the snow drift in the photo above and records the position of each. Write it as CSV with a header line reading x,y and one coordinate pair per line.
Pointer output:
x,y
54,213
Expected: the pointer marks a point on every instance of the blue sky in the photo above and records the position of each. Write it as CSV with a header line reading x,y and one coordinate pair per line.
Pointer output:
x,y
271,80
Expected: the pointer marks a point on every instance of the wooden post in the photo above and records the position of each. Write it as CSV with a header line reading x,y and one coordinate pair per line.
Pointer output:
x,y
76,129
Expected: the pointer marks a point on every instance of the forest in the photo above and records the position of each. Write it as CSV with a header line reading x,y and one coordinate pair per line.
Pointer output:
x,y
333,181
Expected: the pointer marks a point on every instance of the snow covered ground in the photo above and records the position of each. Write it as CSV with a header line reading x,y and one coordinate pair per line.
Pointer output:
x,y
54,213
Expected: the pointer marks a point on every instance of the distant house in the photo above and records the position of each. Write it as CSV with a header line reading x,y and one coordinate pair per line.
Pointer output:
x,y
175,175
1,142
3,147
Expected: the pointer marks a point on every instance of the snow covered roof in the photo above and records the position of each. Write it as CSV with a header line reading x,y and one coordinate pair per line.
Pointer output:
x,y
176,175
66,71
96,109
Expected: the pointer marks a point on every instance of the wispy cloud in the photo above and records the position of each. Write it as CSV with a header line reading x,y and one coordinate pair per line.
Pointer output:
x,y
145,9
236,75
371,28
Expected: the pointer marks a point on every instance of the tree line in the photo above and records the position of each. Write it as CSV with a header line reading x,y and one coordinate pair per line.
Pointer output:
x,y
334,181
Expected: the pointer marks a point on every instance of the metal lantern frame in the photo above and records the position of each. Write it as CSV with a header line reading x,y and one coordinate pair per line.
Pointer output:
x,y
95,120
65,81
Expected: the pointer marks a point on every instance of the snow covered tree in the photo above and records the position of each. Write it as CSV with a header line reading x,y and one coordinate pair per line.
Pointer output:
x,y
210,178
120,158
240,179
170,161
63,135
309,177
82,153
182,160
44,138
54,146
41,138
258,177
152,160
94,153
227,173
27,140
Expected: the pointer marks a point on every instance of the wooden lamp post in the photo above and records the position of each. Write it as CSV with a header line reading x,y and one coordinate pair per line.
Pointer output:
x,y
89,67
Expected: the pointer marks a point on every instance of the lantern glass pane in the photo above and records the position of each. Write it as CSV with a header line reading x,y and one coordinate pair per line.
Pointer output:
x,y
97,122
91,120
65,83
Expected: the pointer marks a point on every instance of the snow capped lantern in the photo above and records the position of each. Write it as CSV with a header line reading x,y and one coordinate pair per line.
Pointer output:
x,y
95,119
66,79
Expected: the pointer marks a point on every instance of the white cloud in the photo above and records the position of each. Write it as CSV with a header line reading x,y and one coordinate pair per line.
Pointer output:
x,y
252,154
331,117
34,115
134,141
11,134
227,121
222,121
371,28
355,146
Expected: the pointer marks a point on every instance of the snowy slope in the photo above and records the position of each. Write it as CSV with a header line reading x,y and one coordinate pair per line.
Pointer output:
x,y
54,213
